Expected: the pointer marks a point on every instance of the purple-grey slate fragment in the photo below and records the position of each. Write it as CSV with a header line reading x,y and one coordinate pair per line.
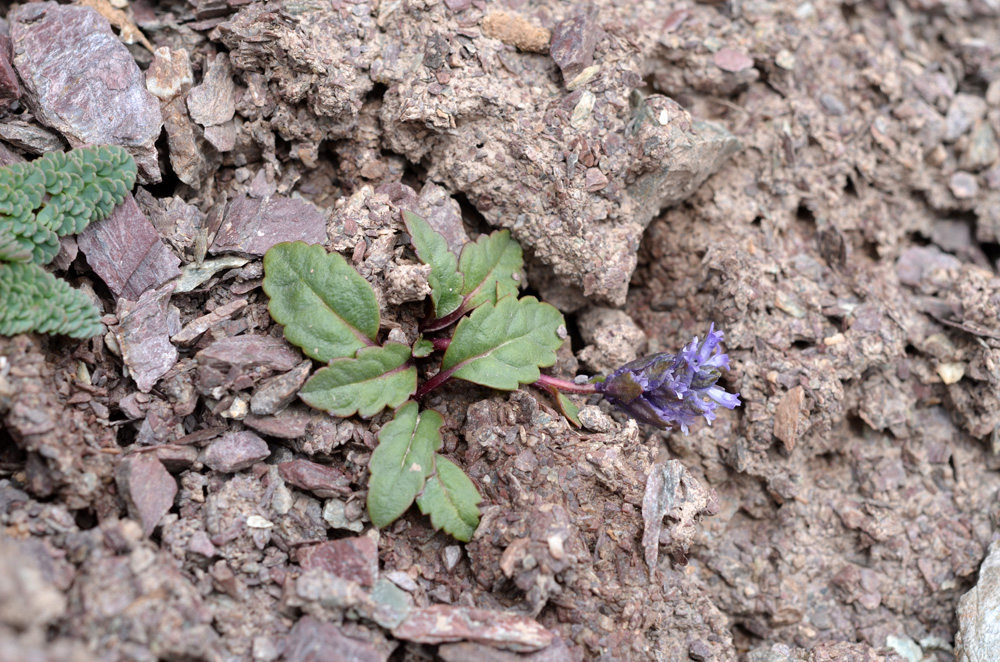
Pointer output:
x,y
355,559
10,88
147,488
82,81
234,452
252,226
143,333
313,641
322,480
439,624
126,252
214,101
278,392
573,42
443,213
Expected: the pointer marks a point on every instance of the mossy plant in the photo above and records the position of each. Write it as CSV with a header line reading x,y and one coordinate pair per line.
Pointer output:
x,y
56,195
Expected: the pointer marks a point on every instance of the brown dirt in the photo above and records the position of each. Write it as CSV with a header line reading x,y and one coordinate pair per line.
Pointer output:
x,y
819,179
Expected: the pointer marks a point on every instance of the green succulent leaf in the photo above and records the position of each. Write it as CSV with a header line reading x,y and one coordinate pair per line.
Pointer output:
x,y
432,249
451,500
491,266
326,307
32,299
376,378
504,345
568,408
402,461
59,194
422,348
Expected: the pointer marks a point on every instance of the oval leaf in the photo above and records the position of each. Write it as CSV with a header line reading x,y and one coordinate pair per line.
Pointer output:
x,y
491,266
432,249
568,408
422,348
326,307
451,500
402,461
504,345
377,378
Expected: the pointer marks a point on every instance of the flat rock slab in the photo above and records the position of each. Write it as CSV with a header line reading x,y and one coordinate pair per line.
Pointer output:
x,y
978,638
240,361
441,624
252,226
143,334
355,559
321,480
147,488
82,81
313,641
126,252
234,452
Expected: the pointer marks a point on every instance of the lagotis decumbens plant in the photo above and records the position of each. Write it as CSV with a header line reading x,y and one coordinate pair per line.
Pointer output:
x,y
500,340
55,195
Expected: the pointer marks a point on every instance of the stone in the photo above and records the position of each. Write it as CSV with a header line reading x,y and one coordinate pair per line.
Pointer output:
x,y
169,74
10,88
191,156
234,452
978,637
82,81
732,60
238,362
965,110
963,185
194,329
147,488
573,42
441,624
613,339
276,393
671,491
213,102
786,417
251,227
126,252
355,559
443,213
143,334
322,480
313,641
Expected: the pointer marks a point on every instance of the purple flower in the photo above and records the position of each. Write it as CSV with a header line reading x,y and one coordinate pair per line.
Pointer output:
x,y
666,390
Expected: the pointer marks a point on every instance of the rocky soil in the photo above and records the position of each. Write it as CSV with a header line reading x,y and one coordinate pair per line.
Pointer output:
x,y
820,179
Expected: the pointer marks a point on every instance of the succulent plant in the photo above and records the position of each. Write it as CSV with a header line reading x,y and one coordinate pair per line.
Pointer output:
x,y
40,201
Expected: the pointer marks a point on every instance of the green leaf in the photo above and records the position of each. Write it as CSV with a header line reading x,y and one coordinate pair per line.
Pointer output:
x,y
32,299
377,378
491,266
568,409
432,249
402,461
503,345
451,500
422,347
326,307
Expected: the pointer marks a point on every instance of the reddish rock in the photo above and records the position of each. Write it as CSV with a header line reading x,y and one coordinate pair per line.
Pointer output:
x,y
240,361
355,559
573,42
147,488
441,624
126,252
234,452
214,101
143,334
10,88
731,60
82,81
321,480
313,641
253,226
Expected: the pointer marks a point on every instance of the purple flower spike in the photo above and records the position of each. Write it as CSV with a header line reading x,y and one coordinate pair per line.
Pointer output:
x,y
666,390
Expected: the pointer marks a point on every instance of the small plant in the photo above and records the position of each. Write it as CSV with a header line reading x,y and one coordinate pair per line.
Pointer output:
x,y
500,341
55,195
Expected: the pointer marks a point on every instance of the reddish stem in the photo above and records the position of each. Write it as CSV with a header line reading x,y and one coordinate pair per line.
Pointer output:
x,y
433,383
548,382
440,344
